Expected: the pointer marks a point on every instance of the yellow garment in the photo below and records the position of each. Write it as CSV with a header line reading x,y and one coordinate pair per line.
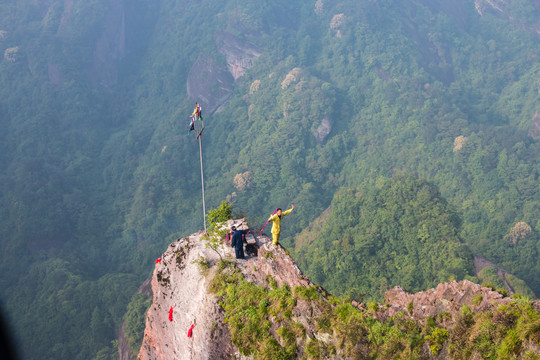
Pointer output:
x,y
275,239
195,114
276,226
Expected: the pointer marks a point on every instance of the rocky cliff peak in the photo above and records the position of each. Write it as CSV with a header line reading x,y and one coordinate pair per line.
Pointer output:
x,y
179,283
188,320
181,298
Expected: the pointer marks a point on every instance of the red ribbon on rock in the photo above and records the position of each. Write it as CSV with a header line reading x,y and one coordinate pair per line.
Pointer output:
x,y
158,260
190,331
170,313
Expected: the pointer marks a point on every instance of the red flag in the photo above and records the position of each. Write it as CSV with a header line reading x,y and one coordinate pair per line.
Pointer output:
x,y
170,313
190,331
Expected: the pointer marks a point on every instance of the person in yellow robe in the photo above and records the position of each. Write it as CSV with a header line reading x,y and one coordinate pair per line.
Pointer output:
x,y
276,223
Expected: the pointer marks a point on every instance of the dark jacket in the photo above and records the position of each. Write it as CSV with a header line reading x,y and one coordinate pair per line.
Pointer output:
x,y
237,238
238,244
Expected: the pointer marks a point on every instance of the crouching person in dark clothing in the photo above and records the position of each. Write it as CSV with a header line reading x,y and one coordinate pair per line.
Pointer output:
x,y
237,243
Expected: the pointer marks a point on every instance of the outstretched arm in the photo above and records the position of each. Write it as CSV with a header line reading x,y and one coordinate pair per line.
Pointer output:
x,y
288,211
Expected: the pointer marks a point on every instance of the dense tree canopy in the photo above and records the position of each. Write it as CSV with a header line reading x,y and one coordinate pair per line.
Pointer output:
x,y
400,233
98,174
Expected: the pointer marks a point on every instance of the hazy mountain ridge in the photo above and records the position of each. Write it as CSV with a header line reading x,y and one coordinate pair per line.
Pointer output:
x,y
98,175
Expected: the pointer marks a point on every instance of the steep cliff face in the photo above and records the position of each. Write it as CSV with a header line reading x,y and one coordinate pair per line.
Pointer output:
x,y
109,48
534,130
104,22
179,283
210,82
322,327
240,54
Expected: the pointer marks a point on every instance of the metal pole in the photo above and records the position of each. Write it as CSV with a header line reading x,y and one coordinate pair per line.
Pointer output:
x,y
202,180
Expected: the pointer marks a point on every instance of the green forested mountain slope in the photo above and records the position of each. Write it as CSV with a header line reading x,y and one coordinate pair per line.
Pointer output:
x,y
400,232
98,174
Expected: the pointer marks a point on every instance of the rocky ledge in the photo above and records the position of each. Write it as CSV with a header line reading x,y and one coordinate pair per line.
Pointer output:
x,y
446,298
179,284
187,321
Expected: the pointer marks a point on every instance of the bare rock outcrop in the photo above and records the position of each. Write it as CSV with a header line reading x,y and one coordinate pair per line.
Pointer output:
x,y
178,283
182,299
292,77
319,7
336,23
481,262
445,298
240,54
323,130
534,130
273,261
484,5
209,83
459,142
243,180
11,54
